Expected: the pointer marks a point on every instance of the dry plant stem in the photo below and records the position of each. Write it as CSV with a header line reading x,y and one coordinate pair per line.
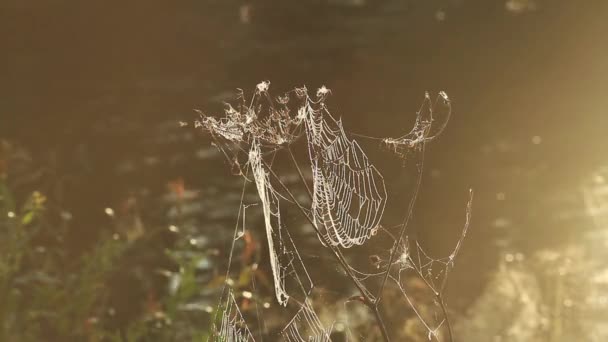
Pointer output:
x,y
393,254
336,253
445,314
439,298
404,225
293,159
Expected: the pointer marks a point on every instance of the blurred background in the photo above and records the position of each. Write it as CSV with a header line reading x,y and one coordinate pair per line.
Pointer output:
x,y
116,222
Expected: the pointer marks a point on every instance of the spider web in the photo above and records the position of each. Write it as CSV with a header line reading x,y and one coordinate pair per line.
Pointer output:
x,y
348,202
232,325
349,194
433,272
263,119
413,263
246,126
286,264
423,130
408,260
306,326
272,221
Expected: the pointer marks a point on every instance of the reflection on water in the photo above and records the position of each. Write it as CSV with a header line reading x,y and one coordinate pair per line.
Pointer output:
x,y
556,294
595,193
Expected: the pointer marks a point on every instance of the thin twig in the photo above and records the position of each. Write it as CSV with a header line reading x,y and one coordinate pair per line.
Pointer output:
x,y
445,315
293,159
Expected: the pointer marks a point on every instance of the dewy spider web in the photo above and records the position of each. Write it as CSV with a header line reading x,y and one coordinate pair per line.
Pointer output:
x,y
285,260
233,327
349,194
402,258
277,127
306,326
413,261
433,272
272,221
261,119
421,133
348,198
